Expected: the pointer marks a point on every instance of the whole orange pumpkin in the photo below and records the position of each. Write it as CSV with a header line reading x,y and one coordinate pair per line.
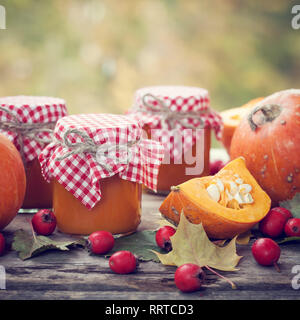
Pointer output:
x,y
12,181
269,139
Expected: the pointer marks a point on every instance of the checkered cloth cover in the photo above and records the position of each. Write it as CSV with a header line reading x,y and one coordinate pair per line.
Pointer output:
x,y
177,99
30,109
80,172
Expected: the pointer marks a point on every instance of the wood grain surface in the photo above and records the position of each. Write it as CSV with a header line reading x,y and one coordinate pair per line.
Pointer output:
x,y
78,275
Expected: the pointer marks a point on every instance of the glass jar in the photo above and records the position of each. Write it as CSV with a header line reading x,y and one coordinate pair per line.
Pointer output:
x,y
38,193
119,210
97,164
181,119
28,121
172,174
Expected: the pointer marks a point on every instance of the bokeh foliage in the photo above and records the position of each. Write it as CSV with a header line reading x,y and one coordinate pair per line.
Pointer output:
x,y
95,53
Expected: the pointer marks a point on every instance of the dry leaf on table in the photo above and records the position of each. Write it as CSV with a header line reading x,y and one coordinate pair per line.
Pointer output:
x,y
191,245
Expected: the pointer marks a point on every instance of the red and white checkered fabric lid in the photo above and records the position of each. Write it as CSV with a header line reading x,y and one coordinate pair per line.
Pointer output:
x,y
31,110
91,147
176,99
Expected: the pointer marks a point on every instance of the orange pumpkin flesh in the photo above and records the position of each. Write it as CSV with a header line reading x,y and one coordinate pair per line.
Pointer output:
x,y
269,140
218,221
232,118
12,181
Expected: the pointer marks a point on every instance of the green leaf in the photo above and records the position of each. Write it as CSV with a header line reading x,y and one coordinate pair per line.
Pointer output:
x,y
190,244
140,243
28,245
293,205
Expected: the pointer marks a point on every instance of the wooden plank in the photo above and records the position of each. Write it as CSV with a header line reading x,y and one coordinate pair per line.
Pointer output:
x,y
79,275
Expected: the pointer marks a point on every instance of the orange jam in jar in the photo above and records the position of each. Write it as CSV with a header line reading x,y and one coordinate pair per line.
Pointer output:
x,y
98,164
181,119
172,174
119,210
28,121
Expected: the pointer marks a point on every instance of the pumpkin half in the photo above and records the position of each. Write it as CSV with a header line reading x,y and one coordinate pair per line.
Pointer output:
x,y
227,204
269,140
232,118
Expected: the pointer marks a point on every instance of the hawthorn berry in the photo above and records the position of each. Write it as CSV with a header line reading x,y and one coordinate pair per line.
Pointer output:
x,y
273,224
215,167
292,227
162,237
2,244
123,262
285,212
189,277
266,251
44,222
101,242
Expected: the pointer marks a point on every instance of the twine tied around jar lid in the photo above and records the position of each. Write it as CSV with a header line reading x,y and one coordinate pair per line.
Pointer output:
x,y
170,117
100,152
29,130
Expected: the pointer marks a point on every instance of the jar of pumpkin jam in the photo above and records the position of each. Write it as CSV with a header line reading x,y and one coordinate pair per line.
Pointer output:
x,y
28,121
97,163
39,193
172,174
181,119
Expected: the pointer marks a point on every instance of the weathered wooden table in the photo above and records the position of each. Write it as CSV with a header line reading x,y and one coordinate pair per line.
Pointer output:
x,y
78,275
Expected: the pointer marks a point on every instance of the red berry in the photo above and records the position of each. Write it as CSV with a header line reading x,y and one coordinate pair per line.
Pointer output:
x,y
44,222
216,166
189,277
285,212
2,244
273,224
162,237
122,262
265,251
292,227
101,242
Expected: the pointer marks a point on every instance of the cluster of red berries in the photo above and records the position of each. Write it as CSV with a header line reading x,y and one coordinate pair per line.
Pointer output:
x,y
188,277
100,242
122,262
279,221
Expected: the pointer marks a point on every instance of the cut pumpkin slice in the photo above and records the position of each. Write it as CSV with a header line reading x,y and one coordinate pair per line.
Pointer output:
x,y
227,204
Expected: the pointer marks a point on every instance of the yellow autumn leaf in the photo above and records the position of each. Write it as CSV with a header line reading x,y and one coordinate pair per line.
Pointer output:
x,y
244,238
190,244
162,222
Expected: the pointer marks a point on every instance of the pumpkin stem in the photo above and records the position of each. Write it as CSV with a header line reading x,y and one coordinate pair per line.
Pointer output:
x,y
269,113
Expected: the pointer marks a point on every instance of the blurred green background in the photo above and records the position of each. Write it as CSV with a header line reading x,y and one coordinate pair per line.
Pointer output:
x,y
96,53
